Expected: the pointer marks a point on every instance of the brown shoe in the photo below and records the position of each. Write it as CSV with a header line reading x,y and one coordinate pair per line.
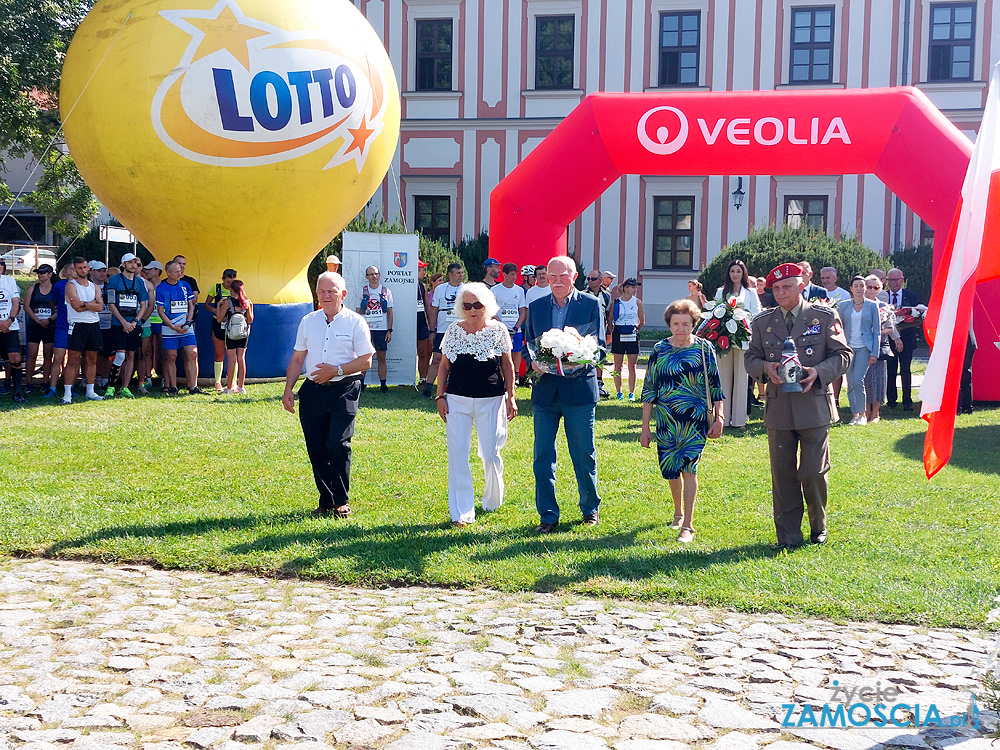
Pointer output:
x,y
322,512
546,528
342,511
591,519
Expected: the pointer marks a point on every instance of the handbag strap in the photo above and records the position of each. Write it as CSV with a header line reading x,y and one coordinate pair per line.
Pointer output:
x,y
708,396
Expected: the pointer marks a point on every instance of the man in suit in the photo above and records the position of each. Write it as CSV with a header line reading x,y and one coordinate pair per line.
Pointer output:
x,y
798,424
556,397
810,291
899,297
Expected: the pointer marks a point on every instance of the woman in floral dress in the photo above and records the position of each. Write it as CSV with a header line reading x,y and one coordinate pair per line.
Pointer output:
x,y
675,388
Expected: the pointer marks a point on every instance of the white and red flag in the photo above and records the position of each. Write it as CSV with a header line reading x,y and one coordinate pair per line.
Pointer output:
x,y
971,255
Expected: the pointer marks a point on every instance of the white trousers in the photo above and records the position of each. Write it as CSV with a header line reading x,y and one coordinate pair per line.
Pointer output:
x,y
489,415
733,375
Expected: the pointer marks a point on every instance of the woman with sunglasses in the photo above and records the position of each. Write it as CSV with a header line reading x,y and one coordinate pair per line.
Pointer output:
x,y
40,307
475,386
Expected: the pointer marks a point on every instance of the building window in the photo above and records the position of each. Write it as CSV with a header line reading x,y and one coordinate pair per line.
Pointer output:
x,y
680,41
554,52
434,55
812,45
673,232
434,217
807,211
926,234
951,52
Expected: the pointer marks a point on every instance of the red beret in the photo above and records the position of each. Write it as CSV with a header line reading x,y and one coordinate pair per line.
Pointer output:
x,y
783,272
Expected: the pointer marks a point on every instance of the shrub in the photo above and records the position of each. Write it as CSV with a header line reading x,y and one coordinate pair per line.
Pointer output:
x,y
766,248
915,263
473,252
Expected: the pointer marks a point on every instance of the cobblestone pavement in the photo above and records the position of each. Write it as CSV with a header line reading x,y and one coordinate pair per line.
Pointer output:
x,y
95,656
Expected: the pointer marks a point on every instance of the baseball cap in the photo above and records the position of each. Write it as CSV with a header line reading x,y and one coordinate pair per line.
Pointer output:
x,y
333,259
609,275
127,257
491,262
422,264
97,265
631,282
155,264
44,268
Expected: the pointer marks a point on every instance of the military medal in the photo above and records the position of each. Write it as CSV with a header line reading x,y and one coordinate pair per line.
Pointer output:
x,y
809,351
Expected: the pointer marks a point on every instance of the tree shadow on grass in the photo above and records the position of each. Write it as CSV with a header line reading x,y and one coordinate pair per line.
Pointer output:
x,y
974,448
402,554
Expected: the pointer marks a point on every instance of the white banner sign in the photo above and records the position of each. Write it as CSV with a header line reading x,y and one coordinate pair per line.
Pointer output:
x,y
396,257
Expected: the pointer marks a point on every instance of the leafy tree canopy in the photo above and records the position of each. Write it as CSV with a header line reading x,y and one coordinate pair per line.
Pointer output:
x,y
34,37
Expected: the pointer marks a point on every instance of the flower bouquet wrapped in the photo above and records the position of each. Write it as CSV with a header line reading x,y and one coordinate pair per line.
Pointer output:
x,y
909,317
563,351
726,325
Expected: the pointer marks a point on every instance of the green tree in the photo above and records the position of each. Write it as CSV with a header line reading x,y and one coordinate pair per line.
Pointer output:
x,y
34,37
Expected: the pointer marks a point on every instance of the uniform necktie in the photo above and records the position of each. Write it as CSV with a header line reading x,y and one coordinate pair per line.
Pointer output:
x,y
789,321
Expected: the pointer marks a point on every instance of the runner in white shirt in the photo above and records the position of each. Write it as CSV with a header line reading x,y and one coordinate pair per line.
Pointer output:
x,y
10,338
440,316
376,306
513,309
541,287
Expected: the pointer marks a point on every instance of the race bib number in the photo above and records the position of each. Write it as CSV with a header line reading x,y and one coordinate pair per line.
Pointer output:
x,y
420,306
178,306
43,313
377,321
128,303
509,316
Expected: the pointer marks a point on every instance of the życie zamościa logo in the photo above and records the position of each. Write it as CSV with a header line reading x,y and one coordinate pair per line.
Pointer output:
x,y
247,93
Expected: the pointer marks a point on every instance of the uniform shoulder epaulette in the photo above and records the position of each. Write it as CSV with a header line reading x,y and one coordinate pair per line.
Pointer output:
x,y
823,309
762,313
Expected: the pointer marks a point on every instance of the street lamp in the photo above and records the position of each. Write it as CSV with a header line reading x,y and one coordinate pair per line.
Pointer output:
x,y
738,194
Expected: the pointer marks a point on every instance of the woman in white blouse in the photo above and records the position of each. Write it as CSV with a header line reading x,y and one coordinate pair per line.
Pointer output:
x,y
735,382
475,387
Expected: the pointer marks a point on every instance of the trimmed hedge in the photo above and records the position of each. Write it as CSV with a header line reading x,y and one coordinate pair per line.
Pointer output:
x,y
766,248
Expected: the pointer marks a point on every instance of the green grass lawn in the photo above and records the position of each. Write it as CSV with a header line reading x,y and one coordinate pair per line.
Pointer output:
x,y
223,483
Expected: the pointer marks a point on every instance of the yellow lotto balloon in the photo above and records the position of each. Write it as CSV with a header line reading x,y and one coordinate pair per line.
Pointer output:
x,y
240,133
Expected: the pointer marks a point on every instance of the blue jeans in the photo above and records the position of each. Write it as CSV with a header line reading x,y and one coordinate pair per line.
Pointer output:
x,y
579,420
856,381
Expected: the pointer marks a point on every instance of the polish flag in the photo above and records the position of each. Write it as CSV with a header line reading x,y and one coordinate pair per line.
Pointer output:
x,y
971,255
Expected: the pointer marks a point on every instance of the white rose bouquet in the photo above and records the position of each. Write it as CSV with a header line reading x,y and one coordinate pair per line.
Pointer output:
x,y
563,351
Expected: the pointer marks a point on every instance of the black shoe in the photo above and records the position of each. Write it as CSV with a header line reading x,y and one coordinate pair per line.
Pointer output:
x,y
172,391
967,410
602,392
383,388
322,512
907,407
819,538
592,519
20,399
428,392
546,528
195,390
892,406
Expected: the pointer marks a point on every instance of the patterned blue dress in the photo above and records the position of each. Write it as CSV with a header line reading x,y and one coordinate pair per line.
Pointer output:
x,y
675,385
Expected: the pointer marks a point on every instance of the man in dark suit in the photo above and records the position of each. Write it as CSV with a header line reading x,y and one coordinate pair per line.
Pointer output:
x,y
810,291
572,399
798,424
898,298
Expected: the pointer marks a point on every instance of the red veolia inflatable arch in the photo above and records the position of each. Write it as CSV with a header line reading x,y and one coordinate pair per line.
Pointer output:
x,y
893,133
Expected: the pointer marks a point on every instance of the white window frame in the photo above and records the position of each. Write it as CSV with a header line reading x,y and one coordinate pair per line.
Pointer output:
x,y
542,8
418,10
818,186
673,187
656,7
786,42
925,45
444,186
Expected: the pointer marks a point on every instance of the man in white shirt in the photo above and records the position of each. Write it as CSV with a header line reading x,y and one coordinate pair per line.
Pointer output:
x,y
84,303
376,306
541,287
513,310
10,338
834,293
440,316
334,346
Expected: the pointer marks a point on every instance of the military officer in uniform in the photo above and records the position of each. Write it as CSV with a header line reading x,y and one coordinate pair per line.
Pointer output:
x,y
798,424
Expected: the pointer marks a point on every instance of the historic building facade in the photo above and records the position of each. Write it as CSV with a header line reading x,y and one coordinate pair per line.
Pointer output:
x,y
484,81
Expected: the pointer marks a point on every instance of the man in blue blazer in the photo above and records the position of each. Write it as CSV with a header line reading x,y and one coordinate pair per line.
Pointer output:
x,y
556,397
900,297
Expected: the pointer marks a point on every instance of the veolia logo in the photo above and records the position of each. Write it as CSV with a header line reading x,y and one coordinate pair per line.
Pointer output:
x,y
740,131
246,93
663,144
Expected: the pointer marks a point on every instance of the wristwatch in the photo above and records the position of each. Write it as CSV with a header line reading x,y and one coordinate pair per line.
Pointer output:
x,y
340,371
388,330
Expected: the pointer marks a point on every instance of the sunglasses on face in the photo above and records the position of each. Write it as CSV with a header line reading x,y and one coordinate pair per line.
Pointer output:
x,y
472,305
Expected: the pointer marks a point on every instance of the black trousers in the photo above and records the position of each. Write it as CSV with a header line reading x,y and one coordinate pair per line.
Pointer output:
x,y
327,413
965,384
901,363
